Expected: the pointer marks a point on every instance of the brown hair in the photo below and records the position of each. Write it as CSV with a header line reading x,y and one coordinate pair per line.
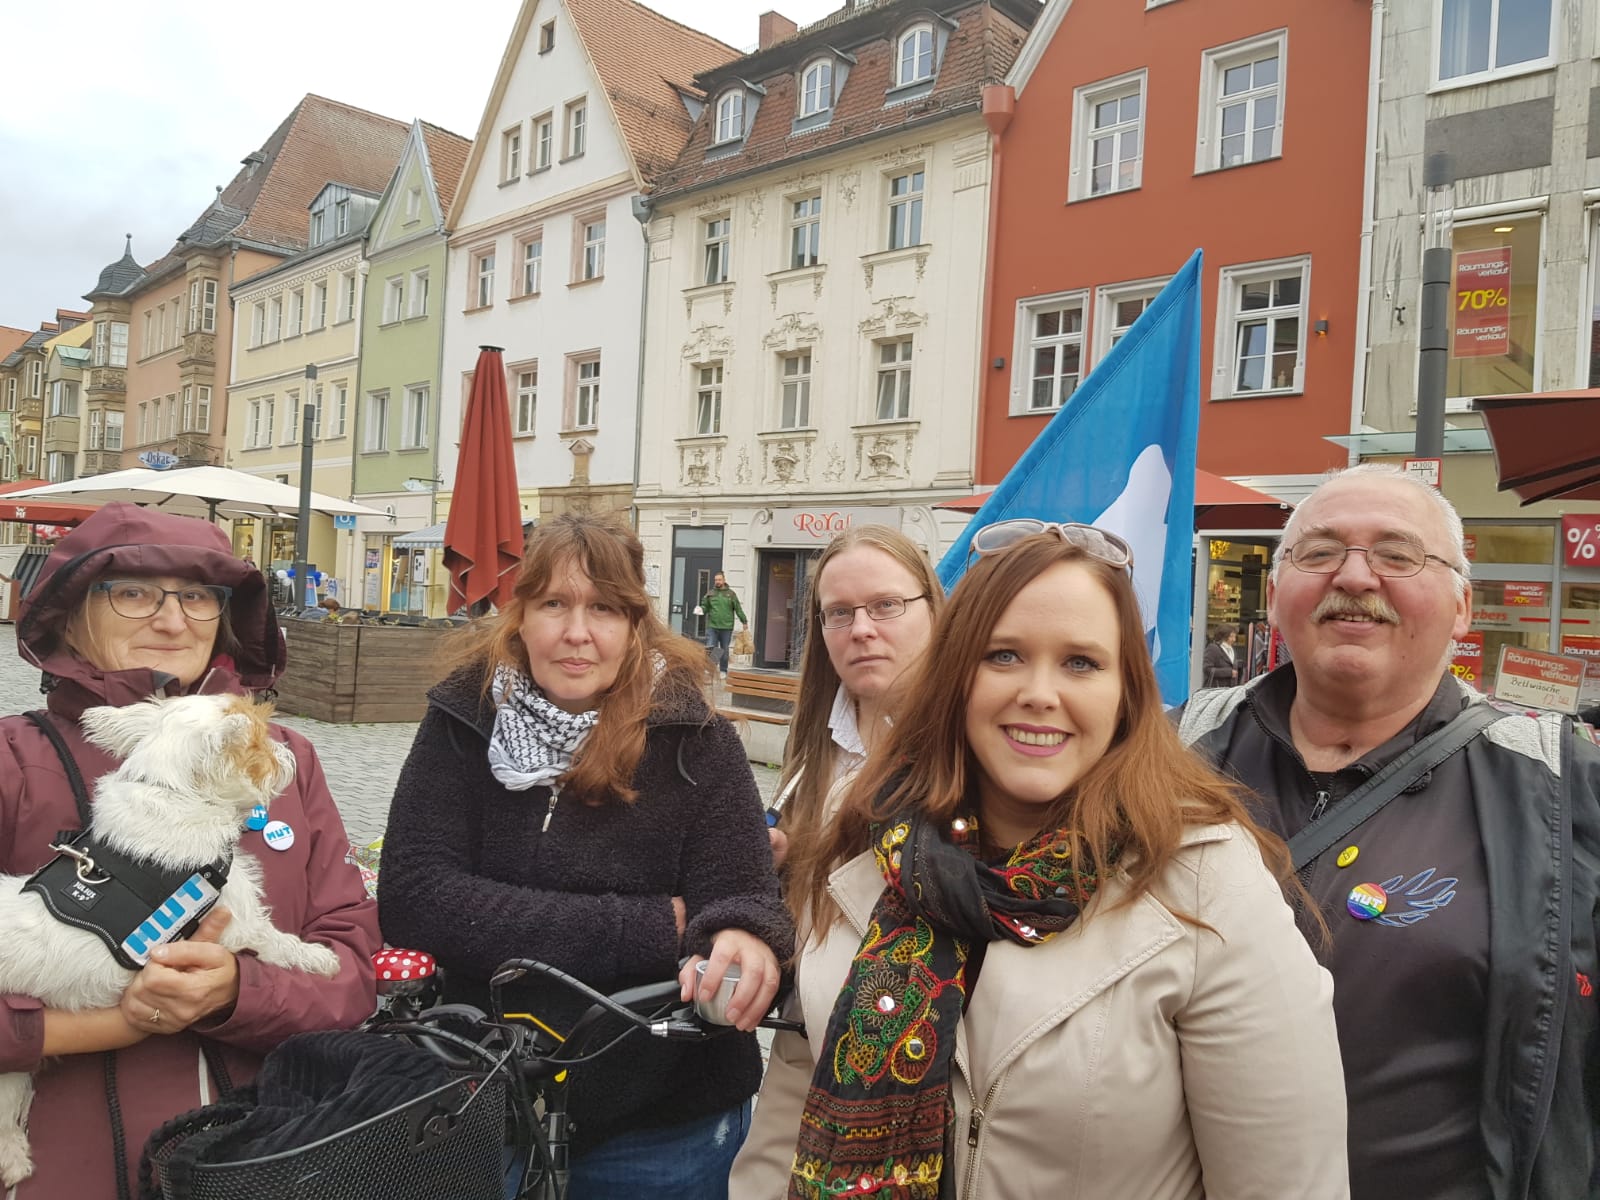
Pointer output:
x,y
810,740
1130,806
656,665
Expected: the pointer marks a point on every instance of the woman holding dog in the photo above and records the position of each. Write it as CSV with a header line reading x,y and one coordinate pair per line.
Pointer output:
x,y
1064,966
572,798
135,603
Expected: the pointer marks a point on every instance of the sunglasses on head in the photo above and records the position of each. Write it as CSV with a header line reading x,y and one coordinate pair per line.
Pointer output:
x,y
1096,543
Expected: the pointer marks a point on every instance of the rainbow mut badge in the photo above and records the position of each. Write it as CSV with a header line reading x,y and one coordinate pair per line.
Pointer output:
x,y
1367,900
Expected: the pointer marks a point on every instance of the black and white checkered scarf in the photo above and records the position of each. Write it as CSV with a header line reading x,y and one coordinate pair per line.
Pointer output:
x,y
534,741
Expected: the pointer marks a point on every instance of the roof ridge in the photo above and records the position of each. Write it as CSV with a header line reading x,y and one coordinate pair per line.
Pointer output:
x,y
661,16
443,130
356,108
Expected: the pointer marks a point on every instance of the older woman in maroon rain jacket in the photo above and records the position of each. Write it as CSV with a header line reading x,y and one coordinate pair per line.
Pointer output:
x,y
92,655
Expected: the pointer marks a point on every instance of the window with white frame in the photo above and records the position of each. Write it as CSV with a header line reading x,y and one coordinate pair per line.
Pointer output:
x,y
347,296
297,312
197,408
714,248
905,209
1052,330
341,218
1117,307
394,298
8,403
413,206
30,454
511,154
419,294
805,231
147,340
585,407
1261,329
482,283
290,434
894,380
316,412
318,227
794,390
119,344
414,418
913,56
258,324
593,260
60,467
376,435
36,379
729,117
188,406
274,318
1108,146
97,418
319,304
525,406
63,398
530,263
171,428
144,422
1479,39
1241,103
102,343
547,37
543,141
816,88
113,430
577,128
341,408
708,399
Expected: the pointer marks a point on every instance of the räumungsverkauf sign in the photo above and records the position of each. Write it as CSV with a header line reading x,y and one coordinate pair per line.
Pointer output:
x,y
1538,680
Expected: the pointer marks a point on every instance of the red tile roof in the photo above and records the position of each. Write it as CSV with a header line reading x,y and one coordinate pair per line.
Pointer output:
x,y
642,58
11,338
447,153
980,50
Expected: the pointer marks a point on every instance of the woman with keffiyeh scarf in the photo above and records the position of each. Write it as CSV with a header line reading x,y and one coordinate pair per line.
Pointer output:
x,y
1063,965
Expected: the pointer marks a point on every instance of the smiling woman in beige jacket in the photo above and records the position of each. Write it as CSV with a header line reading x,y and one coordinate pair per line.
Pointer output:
x,y
1151,1029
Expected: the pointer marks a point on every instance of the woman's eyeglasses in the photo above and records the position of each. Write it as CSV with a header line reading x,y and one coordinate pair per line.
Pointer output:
x,y
136,599
1096,543
884,608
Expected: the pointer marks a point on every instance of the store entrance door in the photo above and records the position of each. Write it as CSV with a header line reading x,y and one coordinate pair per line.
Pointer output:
x,y
696,557
783,590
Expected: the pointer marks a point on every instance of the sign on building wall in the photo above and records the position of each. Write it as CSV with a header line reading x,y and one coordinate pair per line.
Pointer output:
x,y
1526,593
1482,303
1580,540
1587,648
819,525
1466,659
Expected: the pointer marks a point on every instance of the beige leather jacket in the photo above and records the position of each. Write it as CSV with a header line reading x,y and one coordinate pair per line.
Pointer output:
x,y
1134,1057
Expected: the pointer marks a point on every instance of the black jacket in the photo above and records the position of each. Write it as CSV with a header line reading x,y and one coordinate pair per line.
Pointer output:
x,y
1536,794
468,875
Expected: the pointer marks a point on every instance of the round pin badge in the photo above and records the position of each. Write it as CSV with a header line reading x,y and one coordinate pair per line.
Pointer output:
x,y
257,818
1367,900
278,835
1348,855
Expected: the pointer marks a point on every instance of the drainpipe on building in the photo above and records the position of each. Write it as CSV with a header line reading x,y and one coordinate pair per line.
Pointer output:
x,y
999,106
641,214
1369,187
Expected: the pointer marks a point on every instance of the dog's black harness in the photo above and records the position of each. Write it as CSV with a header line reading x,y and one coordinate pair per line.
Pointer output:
x,y
132,905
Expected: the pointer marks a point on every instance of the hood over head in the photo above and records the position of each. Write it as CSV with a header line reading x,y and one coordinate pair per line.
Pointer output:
x,y
125,539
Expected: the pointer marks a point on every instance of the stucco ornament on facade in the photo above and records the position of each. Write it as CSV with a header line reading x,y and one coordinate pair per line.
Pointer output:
x,y
706,343
849,185
885,453
834,471
756,207
741,472
701,465
792,331
894,315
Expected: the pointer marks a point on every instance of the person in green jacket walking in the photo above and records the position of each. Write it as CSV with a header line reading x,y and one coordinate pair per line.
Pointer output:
x,y
721,605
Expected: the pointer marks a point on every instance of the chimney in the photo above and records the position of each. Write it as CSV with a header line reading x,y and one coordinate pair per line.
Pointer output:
x,y
774,28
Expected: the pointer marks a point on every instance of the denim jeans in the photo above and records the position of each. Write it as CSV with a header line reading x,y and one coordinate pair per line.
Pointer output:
x,y
676,1162
717,642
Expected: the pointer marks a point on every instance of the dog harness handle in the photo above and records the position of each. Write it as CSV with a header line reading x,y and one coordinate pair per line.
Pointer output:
x,y
80,793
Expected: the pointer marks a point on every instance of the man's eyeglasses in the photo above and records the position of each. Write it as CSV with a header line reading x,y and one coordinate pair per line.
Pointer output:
x,y
1393,559
1096,543
884,608
136,599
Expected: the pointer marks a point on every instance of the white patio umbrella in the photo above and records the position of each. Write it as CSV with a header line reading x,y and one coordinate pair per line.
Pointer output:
x,y
197,492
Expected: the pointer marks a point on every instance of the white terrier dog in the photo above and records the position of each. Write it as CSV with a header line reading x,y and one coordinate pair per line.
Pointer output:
x,y
193,768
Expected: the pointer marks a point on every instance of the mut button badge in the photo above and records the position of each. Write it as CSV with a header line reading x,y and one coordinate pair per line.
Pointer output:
x,y
1367,900
257,818
278,835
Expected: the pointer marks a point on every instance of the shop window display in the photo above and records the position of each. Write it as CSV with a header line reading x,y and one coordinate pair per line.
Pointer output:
x,y
1494,307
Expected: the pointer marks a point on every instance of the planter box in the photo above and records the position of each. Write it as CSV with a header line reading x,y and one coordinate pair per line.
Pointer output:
x,y
352,673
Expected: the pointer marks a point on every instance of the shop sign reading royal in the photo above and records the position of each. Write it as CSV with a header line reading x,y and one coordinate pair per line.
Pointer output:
x,y
1483,303
805,527
1539,680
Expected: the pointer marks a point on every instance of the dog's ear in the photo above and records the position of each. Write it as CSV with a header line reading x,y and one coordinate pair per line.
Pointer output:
x,y
118,729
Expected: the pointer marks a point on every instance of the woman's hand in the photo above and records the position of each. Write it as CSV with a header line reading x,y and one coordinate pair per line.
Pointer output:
x,y
779,841
185,981
758,976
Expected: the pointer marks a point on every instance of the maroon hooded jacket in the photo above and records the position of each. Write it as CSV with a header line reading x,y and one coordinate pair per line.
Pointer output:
x,y
310,887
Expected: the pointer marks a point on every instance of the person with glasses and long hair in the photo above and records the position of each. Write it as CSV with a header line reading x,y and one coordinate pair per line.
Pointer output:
x,y
870,612
1064,965
137,603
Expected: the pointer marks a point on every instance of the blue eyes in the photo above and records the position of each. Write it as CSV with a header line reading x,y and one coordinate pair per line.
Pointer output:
x,y
1077,664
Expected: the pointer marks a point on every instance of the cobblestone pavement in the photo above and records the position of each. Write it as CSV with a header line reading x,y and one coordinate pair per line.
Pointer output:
x,y
362,762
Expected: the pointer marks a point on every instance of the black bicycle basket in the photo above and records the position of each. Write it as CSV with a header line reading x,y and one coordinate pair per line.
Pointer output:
x,y
340,1116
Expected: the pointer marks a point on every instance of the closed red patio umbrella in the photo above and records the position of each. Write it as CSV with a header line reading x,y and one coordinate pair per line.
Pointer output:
x,y
483,536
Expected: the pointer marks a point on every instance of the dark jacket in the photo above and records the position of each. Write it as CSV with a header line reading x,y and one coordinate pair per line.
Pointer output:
x,y
469,875
311,888
1218,670
1535,790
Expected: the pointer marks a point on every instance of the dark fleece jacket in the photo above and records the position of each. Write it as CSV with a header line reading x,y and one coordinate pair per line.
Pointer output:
x,y
469,876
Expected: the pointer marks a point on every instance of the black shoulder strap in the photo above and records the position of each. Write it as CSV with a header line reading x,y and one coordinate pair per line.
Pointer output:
x,y
80,793
1362,804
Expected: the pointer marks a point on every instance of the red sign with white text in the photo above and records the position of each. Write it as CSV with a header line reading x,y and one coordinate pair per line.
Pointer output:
x,y
1587,648
1466,659
1469,546
1526,593
1482,303
1537,679
1580,539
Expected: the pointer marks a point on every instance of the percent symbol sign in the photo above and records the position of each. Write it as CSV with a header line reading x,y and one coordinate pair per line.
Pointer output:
x,y
1585,541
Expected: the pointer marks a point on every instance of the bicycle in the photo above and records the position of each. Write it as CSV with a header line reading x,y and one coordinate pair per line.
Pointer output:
x,y
504,1107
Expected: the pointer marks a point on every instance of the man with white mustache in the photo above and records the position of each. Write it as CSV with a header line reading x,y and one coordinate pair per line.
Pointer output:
x,y
1460,888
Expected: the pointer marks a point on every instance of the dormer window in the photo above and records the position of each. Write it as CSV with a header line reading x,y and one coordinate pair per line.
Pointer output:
x,y
816,88
730,117
914,56
341,218
317,228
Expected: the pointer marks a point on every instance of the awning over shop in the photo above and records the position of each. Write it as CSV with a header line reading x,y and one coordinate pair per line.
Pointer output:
x,y
431,538
1375,443
38,512
1546,445
1219,503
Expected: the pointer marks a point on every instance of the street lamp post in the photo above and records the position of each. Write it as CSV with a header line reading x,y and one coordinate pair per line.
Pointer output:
x,y
302,533
1438,179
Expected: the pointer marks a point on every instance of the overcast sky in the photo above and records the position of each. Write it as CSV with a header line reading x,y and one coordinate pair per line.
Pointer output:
x,y
119,118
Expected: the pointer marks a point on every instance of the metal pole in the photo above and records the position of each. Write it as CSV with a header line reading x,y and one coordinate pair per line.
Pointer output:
x,y
1433,340
302,532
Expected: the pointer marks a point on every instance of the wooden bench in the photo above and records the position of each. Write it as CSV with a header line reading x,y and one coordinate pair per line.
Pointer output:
x,y
767,696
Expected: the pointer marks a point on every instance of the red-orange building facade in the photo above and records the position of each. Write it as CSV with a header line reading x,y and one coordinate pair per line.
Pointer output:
x,y
1141,131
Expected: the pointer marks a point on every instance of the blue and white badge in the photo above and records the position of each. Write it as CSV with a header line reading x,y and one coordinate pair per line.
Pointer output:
x,y
257,819
278,835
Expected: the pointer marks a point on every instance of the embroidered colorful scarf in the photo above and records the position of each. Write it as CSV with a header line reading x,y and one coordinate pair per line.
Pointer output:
x,y
878,1117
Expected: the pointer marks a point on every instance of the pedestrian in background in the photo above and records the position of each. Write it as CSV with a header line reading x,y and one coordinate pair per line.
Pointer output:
x,y
1219,666
720,606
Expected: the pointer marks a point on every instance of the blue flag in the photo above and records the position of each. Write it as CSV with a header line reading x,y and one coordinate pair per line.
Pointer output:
x,y
1120,454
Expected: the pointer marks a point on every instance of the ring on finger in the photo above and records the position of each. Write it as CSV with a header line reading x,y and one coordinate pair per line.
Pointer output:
x,y
155,1016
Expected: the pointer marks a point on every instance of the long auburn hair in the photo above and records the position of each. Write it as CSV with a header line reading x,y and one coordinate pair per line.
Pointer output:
x,y
1129,808
657,664
810,740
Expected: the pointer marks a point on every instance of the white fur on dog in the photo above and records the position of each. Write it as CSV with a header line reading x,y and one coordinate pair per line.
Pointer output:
x,y
193,767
